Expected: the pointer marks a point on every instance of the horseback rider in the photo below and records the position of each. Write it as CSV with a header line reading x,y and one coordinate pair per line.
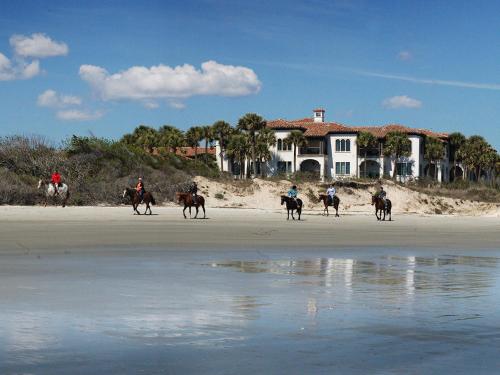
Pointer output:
x,y
292,193
55,181
330,192
140,188
193,189
382,195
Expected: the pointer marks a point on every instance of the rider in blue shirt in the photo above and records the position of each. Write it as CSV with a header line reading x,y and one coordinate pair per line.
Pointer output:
x,y
292,193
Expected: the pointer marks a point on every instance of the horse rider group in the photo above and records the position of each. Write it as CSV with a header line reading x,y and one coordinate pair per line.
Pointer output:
x,y
331,192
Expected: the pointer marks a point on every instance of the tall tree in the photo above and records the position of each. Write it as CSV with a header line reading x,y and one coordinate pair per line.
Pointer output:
x,y
265,139
222,131
456,140
208,135
297,139
489,161
472,151
397,145
365,141
238,149
433,152
171,138
193,137
251,123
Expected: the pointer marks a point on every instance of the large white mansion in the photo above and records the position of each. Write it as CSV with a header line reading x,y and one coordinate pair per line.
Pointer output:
x,y
332,151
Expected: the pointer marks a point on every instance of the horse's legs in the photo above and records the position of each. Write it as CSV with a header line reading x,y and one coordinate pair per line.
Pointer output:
x,y
184,212
195,216
299,211
287,214
383,210
146,210
293,217
190,212
204,214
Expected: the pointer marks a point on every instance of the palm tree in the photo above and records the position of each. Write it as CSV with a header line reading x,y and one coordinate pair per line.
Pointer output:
x,y
208,136
193,137
456,141
365,141
397,144
252,123
434,151
472,151
265,139
171,138
238,148
297,139
222,131
143,136
489,161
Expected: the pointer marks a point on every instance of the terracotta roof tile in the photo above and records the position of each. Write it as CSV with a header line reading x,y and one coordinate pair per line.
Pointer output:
x,y
316,129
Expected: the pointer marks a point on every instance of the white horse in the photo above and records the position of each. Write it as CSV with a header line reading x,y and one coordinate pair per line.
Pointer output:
x,y
50,191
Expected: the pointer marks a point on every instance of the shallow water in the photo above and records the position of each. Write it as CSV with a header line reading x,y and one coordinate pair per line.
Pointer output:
x,y
154,312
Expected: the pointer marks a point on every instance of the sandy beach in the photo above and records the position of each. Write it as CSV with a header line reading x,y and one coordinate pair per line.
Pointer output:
x,y
27,229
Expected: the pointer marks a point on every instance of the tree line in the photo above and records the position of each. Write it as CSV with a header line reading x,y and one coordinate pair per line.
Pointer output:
x,y
250,140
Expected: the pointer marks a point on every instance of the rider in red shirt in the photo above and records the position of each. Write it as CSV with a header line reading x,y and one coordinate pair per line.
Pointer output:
x,y
140,188
55,180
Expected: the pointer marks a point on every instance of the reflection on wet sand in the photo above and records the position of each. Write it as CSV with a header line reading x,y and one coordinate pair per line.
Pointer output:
x,y
325,311
450,273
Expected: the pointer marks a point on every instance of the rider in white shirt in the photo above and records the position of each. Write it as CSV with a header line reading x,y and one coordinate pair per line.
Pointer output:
x,y
331,192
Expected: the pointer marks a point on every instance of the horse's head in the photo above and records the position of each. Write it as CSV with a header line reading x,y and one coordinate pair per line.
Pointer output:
x,y
40,182
374,199
124,193
179,196
283,199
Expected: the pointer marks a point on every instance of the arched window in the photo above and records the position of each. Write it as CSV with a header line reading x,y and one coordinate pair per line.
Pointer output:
x,y
280,144
342,145
337,145
348,145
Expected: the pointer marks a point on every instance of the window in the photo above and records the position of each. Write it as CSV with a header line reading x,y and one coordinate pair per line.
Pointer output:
x,y
284,167
342,168
403,169
343,145
280,144
318,114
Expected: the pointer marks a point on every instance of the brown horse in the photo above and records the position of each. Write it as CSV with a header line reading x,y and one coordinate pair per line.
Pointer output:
x,y
135,199
327,202
187,199
380,206
291,205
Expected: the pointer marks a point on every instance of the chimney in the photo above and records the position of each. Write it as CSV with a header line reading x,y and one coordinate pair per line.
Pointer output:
x,y
319,115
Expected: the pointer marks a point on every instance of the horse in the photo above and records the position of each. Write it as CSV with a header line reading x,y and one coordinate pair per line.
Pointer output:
x,y
135,199
50,191
380,206
326,203
291,205
187,199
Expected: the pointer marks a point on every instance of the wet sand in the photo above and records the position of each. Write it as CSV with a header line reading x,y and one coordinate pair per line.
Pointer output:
x,y
24,229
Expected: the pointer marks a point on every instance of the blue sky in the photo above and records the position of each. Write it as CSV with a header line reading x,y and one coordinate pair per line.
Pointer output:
x,y
107,66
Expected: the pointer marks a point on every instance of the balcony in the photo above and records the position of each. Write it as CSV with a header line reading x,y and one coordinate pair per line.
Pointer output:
x,y
372,153
311,150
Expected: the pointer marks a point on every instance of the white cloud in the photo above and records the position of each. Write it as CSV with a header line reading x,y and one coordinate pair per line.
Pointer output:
x,y
17,70
176,104
78,115
51,99
37,45
401,101
162,81
405,55
151,105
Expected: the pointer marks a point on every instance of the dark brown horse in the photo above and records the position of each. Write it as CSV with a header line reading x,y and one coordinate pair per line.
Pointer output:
x,y
380,206
135,199
327,202
291,205
187,199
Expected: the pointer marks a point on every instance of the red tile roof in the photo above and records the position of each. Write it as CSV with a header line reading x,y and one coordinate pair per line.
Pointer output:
x,y
318,129
189,151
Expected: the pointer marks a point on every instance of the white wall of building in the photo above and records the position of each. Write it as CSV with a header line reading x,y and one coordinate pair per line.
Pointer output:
x,y
342,156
